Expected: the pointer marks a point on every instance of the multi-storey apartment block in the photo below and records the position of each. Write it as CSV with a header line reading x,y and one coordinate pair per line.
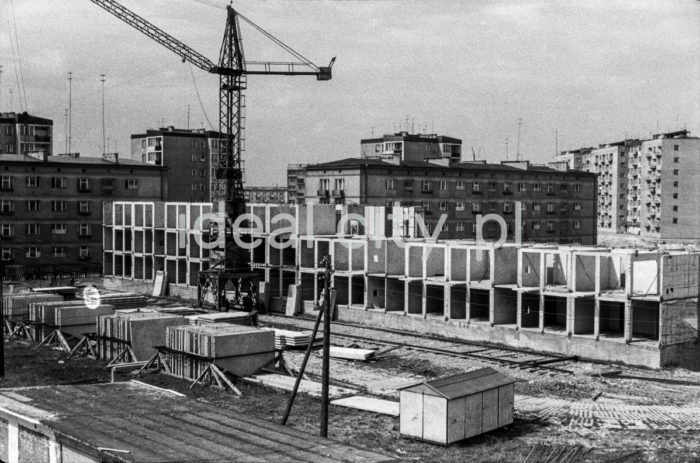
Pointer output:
x,y
24,133
535,203
404,146
296,175
644,187
51,206
191,156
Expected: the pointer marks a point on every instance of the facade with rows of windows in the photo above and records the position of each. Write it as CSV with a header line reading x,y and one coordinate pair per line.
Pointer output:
x,y
646,187
51,206
534,203
191,156
22,133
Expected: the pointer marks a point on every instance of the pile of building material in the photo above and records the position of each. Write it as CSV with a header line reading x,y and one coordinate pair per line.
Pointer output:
x,y
179,310
236,317
138,332
16,306
240,350
122,301
68,292
287,339
42,316
349,353
78,320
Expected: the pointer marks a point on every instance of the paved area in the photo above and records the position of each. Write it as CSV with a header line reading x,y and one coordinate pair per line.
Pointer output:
x,y
590,414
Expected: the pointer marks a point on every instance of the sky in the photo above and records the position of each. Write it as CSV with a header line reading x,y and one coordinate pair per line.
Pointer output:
x,y
574,73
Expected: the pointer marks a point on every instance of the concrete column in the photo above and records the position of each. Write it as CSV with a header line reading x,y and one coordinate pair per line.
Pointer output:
x,y
468,312
597,274
629,277
424,296
519,309
596,320
543,271
12,441
541,325
405,297
447,298
492,306
628,320
570,314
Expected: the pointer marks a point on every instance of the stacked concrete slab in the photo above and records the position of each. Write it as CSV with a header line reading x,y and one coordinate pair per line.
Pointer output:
x,y
239,350
16,306
142,331
72,318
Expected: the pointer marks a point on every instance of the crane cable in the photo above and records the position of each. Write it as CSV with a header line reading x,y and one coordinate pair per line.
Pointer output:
x,y
199,98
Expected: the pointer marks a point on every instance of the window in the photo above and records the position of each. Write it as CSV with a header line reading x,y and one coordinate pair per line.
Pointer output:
x,y
675,184
58,228
7,230
577,206
390,184
675,208
550,208
492,206
507,188
535,207
131,184
84,229
675,147
476,207
550,188
7,183
550,226
492,186
443,185
58,206
535,225
6,254
427,187
622,207
59,251
33,229
445,227
84,207
32,182
58,183
676,159
522,187
675,195
675,171
7,206
33,205
507,208
339,184
476,187
426,206
324,184
460,185
84,184
84,252
194,157
565,187
443,205
537,187
675,220
143,143
459,205
194,188
33,253
473,227
459,226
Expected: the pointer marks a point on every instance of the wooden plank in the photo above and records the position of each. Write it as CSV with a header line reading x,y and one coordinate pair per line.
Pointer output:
x,y
472,415
411,414
370,404
455,419
435,419
505,405
293,295
158,283
489,410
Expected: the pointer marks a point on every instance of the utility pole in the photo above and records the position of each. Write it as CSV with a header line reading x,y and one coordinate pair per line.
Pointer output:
x,y
325,375
517,152
70,110
102,79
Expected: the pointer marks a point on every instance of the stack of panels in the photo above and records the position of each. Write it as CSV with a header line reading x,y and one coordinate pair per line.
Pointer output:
x,y
16,306
235,317
141,330
240,350
290,339
122,301
180,310
42,316
78,320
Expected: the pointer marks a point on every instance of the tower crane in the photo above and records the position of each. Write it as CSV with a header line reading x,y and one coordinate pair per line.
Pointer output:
x,y
230,267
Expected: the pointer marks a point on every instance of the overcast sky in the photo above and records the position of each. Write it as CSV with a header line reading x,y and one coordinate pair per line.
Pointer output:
x,y
595,71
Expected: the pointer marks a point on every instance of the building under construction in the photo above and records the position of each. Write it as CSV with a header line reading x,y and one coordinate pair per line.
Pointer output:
x,y
634,306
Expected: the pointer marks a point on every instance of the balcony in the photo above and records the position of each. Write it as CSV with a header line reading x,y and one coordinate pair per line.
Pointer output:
x,y
84,189
322,193
338,193
6,187
427,191
84,212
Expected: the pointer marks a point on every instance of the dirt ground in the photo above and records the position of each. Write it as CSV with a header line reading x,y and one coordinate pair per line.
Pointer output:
x,y
28,367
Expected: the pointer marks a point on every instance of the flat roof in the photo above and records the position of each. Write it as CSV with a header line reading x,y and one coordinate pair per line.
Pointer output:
x,y
78,161
135,422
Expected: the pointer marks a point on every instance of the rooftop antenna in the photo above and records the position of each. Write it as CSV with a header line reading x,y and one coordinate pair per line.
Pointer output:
x,y
413,125
188,117
372,131
556,143
1,89
65,110
104,146
506,148
517,152
432,123
11,99
70,110
406,123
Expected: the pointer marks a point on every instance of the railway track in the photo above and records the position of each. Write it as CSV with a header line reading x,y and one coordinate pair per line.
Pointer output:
x,y
511,357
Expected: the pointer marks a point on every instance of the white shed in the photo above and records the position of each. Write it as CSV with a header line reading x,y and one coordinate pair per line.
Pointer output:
x,y
450,409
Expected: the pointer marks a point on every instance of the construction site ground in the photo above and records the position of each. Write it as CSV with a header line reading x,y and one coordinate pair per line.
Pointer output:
x,y
640,415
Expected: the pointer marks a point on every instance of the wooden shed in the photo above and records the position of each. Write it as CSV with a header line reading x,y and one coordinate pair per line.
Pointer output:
x,y
450,409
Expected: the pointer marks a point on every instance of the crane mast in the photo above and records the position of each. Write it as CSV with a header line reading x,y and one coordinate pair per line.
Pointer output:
x,y
230,264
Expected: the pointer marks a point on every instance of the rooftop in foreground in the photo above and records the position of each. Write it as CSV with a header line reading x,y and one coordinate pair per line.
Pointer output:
x,y
135,422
